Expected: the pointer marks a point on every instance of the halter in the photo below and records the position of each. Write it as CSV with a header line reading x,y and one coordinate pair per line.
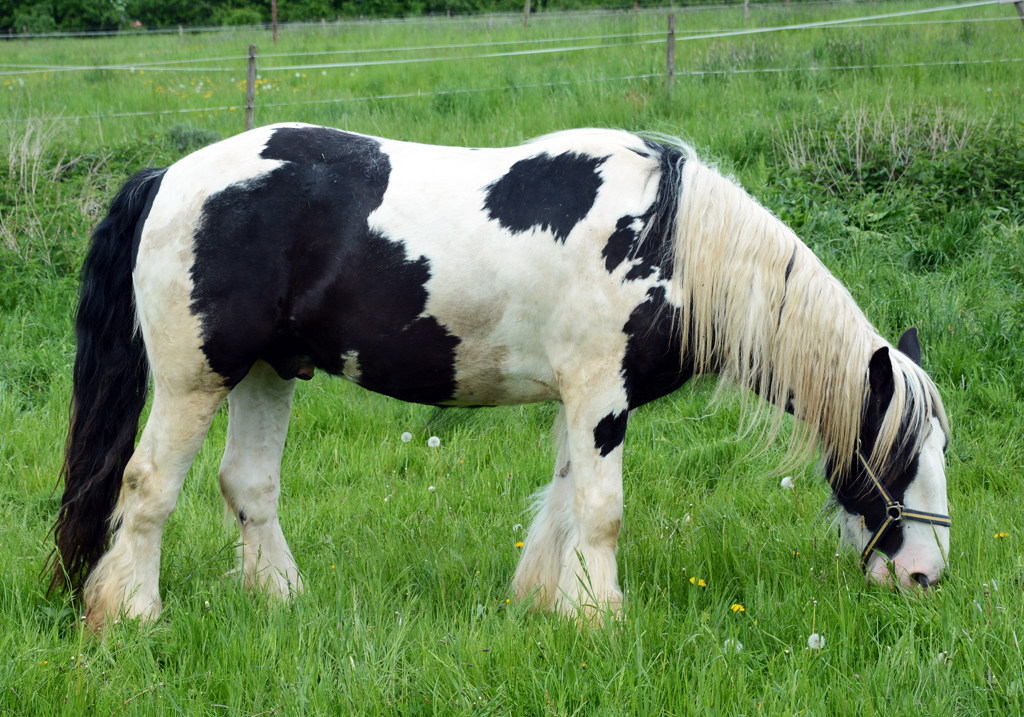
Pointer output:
x,y
894,513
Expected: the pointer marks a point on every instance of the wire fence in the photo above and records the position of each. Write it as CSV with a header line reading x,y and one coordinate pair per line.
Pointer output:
x,y
430,18
696,35
506,88
166,66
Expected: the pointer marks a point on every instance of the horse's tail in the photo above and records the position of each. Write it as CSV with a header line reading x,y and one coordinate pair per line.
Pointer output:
x,y
111,380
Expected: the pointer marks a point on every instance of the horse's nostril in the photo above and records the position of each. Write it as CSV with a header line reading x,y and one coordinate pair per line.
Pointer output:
x,y
921,579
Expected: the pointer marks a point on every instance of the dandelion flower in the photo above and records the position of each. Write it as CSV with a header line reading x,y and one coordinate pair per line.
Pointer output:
x,y
999,536
732,645
787,483
698,583
433,441
206,604
816,641
736,607
406,437
431,489
519,544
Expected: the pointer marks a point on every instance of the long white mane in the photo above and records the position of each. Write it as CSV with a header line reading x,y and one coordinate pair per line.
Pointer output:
x,y
765,313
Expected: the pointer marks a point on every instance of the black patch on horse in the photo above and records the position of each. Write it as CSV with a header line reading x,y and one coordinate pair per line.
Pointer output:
x,y
653,246
548,192
619,243
610,432
288,271
652,366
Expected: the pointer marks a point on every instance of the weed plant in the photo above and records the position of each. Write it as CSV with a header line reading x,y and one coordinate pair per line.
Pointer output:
x,y
907,182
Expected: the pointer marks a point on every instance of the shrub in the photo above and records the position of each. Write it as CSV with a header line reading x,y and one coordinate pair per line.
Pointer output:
x,y
186,137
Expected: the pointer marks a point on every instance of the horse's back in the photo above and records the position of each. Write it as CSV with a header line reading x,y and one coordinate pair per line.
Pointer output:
x,y
439,275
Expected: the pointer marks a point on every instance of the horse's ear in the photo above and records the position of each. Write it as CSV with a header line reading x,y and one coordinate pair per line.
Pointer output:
x,y
880,378
910,345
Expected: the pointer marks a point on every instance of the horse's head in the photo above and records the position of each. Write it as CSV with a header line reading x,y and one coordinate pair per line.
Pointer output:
x,y
892,499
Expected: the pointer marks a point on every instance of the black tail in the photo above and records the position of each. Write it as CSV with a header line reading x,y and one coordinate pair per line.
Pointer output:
x,y
111,380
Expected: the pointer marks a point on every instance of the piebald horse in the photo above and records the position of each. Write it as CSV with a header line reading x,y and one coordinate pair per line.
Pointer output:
x,y
590,267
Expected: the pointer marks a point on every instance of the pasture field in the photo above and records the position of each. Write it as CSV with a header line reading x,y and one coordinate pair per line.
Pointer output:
x,y
908,182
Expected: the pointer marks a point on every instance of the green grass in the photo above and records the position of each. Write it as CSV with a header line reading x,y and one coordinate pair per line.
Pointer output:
x,y
907,182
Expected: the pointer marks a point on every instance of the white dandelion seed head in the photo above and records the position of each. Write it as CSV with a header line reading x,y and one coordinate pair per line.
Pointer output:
x,y
323,72
206,604
787,483
687,518
432,489
732,645
816,641
406,437
433,441
942,658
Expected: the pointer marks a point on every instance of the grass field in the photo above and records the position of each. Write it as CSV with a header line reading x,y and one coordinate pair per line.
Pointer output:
x,y
908,182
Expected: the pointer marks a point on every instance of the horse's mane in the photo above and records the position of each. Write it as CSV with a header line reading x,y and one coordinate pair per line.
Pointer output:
x,y
764,312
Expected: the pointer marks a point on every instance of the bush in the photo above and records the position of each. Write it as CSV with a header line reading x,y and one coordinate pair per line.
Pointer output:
x,y
186,137
36,18
238,16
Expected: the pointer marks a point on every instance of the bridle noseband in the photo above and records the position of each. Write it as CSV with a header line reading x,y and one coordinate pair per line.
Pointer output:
x,y
894,513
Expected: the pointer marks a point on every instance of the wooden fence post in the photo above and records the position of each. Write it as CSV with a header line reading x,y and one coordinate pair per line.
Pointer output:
x,y
24,31
273,17
746,10
526,15
250,88
670,54
181,35
1017,4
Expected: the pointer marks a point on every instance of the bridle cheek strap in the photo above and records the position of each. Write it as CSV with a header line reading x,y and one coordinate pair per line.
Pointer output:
x,y
894,513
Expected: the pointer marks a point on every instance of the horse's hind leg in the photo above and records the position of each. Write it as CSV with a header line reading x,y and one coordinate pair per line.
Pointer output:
x,y
127,576
250,475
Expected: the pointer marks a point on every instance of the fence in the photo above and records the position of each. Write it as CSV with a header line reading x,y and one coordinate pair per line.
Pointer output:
x,y
670,39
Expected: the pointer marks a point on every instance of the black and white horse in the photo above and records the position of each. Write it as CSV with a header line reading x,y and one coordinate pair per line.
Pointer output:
x,y
591,267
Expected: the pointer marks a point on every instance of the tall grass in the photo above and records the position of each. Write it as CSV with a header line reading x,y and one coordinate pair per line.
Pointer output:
x,y
906,182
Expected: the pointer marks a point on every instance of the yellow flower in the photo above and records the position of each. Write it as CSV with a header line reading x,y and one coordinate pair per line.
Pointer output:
x,y
1001,535
736,607
519,544
698,583
507,601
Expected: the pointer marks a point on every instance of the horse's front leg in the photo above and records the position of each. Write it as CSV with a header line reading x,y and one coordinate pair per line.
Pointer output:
x,y
581,516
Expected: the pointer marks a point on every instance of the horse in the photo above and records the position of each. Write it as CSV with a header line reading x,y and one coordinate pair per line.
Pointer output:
x,y
596,268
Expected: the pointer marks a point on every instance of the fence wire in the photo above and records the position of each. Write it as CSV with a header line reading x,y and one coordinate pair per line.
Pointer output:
x,y
505,88
699,35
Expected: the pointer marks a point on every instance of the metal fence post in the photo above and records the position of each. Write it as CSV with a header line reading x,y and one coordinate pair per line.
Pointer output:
x,y
250,88
670,54
526,14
